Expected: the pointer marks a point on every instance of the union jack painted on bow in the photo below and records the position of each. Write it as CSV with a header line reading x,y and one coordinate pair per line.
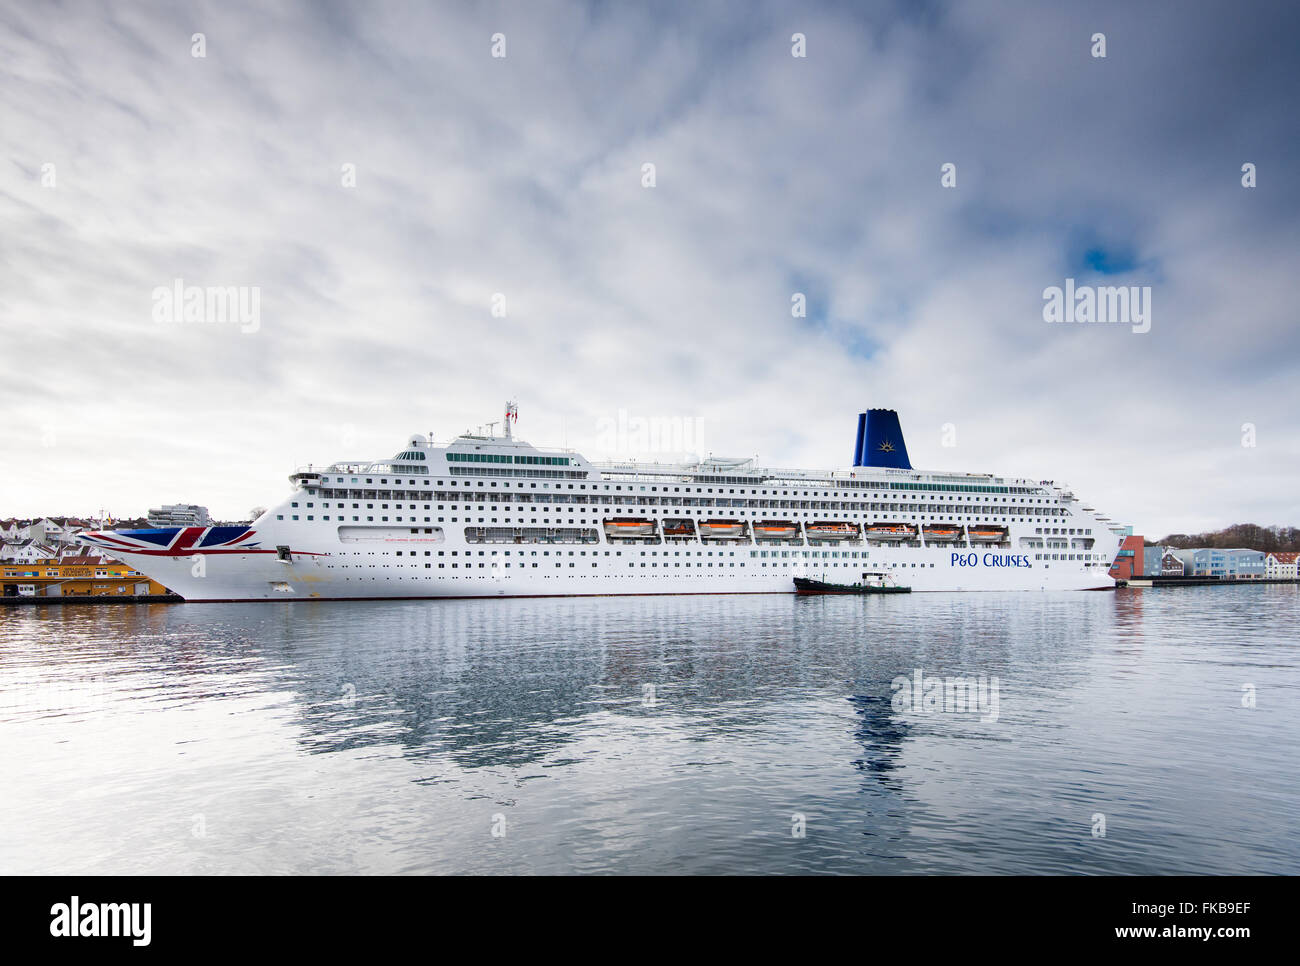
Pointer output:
x,y
176,541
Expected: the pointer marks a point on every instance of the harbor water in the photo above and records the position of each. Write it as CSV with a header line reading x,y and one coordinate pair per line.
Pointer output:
x,y
1105,733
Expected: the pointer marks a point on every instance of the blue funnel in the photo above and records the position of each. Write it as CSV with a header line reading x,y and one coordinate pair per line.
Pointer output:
x,y
880,441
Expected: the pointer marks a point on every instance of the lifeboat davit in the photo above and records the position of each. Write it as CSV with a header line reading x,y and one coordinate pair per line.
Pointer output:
x,y
832,530
722,529
629,527
987,534
776,530
891,531
941,532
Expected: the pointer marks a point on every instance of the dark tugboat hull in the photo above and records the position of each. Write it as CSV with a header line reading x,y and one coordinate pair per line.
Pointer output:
x,y
803,585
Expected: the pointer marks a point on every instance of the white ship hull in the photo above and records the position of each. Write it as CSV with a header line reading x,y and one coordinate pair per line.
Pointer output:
x,y
319,571
261,577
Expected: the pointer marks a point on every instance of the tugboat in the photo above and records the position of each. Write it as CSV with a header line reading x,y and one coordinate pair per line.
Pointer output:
x,y
873,582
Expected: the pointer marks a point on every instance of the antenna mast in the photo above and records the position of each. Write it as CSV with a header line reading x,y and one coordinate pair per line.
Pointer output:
x,y
512,414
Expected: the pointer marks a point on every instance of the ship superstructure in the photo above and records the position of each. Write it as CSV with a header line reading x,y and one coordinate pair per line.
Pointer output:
x,y
490,515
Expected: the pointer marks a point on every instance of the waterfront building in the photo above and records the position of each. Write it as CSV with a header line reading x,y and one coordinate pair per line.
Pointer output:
x,y
1172,564
1129,560
86,576
1227,564
1282,565
1246,564
1209,562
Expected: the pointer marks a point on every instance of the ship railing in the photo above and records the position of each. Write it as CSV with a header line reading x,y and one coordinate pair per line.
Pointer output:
x,y
347,466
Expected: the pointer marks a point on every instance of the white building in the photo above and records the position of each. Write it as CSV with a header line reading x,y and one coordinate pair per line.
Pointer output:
x,y
42,531
27,552
1282,565
180,515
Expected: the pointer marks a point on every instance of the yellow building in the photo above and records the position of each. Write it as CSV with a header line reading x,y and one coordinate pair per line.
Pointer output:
x,y
76,577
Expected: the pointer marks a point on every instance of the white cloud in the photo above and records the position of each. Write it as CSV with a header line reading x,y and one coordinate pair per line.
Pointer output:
x,y
522,176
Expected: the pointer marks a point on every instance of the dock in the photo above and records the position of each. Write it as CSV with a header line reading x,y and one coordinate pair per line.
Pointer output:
x,y
1201,582
73,600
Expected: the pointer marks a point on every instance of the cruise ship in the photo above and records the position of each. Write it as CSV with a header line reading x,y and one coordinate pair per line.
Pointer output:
x,y
489,515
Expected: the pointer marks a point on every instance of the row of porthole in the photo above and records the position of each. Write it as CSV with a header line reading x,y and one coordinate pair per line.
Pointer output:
x,y
653,565
484,576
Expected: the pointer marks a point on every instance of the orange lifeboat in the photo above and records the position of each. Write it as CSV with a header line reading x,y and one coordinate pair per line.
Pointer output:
x,y
891,531
832,530
622,527
941,532
776,530
722,529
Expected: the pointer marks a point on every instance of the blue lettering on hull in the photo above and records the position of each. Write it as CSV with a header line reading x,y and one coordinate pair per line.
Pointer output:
x,y
974,559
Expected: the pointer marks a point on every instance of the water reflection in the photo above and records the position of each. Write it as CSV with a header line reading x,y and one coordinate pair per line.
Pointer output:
x,y
507,682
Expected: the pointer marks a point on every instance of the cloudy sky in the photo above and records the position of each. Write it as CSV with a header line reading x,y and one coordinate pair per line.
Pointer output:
x,y
127,162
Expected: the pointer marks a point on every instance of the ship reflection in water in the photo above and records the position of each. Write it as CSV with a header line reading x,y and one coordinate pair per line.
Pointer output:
x,y
659,734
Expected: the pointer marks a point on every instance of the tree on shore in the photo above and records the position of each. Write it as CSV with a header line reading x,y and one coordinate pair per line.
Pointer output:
x,y
1248,535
